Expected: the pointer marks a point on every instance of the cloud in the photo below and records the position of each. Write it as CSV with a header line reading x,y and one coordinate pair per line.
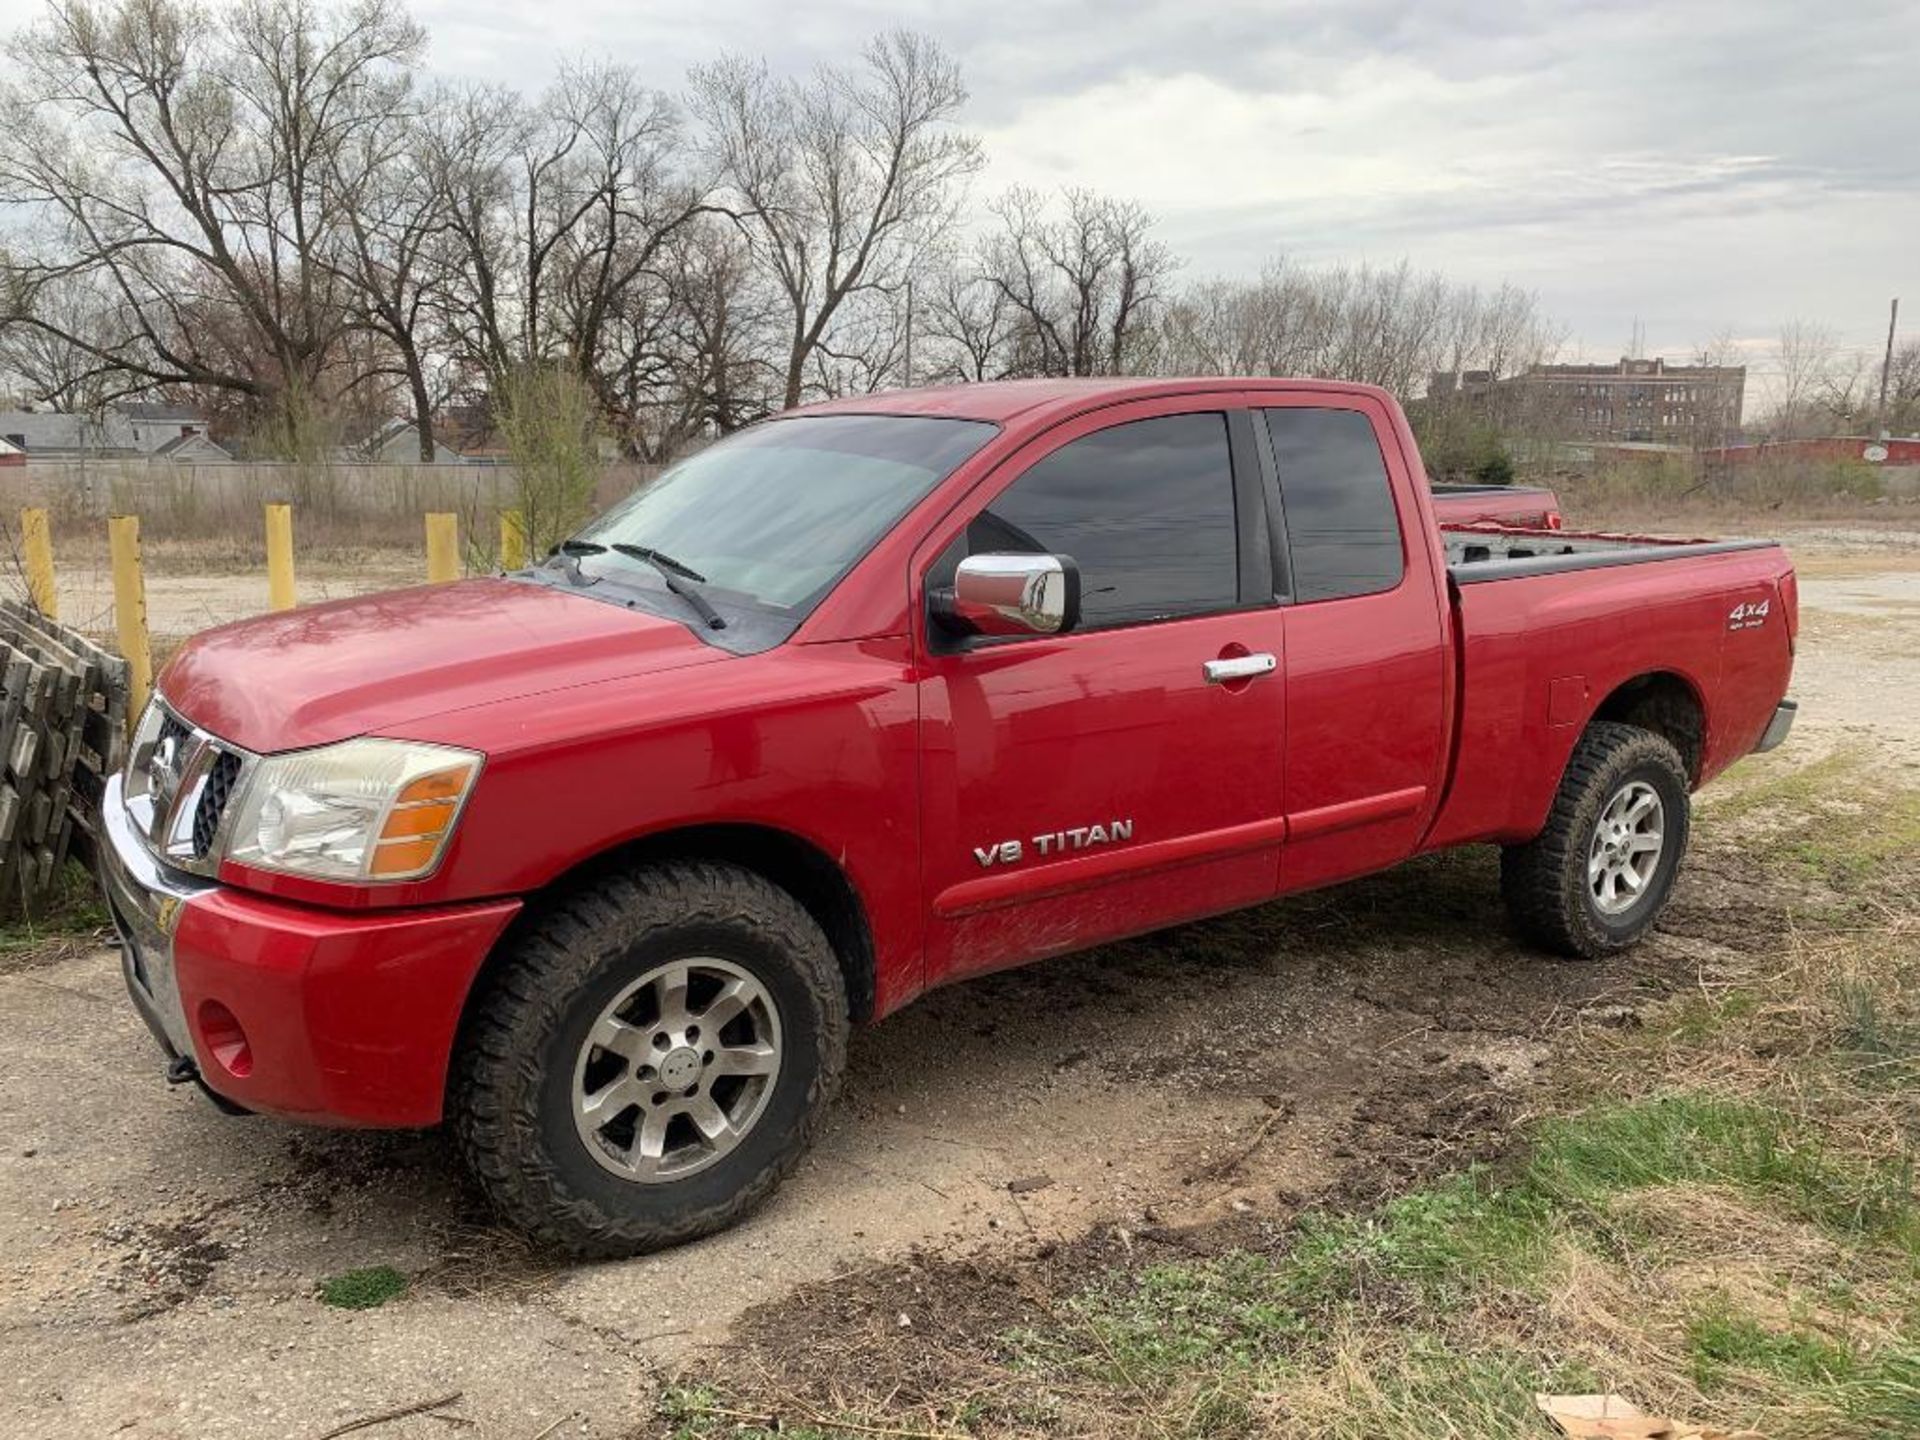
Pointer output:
x,y
1694,163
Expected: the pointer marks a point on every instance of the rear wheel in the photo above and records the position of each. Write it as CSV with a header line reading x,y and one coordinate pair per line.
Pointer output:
x,y
650,1058
1597,877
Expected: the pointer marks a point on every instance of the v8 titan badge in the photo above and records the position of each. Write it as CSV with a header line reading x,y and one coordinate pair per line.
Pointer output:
x,y
1053,843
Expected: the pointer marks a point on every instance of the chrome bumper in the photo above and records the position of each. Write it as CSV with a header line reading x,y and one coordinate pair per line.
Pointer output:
x,y
1778,727
145,900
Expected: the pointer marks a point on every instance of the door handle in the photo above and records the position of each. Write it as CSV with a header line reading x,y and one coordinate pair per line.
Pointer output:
x,y
1239,667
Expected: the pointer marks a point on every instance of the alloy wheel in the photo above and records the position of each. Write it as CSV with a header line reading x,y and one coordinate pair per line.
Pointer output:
x,y
1625,850
676,1070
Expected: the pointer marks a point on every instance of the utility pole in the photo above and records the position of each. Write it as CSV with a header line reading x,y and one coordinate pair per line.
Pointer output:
x,y
1886,369
910,335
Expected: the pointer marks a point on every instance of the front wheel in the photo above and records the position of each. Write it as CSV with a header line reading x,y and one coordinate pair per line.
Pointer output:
x,y
1598,876
650,1058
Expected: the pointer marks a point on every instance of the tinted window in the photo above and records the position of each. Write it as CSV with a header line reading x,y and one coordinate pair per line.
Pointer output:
x,y
1144,509
1341,527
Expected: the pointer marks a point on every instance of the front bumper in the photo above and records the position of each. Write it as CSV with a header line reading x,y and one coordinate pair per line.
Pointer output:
x,y
344,1019
1777,728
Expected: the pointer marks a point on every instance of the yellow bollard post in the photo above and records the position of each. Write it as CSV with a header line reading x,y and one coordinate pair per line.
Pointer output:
x,y
443,547
513,540
130,611
37,541
280,593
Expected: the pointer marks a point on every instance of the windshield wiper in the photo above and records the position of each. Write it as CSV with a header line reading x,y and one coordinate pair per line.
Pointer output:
x,y
659,558
567,552
677,577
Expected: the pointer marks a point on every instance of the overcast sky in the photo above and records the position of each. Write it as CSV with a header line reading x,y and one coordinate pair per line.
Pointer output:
x,y
1699,166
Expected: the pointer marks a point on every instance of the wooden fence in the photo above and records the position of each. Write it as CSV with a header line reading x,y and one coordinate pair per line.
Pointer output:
x,y
63,730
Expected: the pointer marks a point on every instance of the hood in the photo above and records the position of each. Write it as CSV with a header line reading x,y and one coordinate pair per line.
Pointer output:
x,y
330,672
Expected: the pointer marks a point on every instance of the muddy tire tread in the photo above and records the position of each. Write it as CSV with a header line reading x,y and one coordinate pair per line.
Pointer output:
x,y
497,1073
1541,881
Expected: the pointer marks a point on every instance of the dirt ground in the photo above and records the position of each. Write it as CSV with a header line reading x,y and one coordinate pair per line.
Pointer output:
x,y
159,1262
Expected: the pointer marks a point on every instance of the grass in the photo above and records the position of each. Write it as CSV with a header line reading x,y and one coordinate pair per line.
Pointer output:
x,y
1833,820
1720,1339
1441,1301
70,914
1717,1217
366,1288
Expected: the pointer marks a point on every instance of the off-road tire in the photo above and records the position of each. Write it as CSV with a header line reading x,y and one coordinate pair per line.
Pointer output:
x,y
511,1096
1544,882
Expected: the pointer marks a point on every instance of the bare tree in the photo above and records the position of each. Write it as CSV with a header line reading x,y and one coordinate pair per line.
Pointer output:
x,y
616,206
184,163
59,364
1394,327
838,182
471,146
396,242
1803,365
722,344
1716,415
1085,281
563,218
1903,390
969,323
257,205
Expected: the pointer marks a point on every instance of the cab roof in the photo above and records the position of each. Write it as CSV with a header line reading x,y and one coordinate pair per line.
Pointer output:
x,y
1003,400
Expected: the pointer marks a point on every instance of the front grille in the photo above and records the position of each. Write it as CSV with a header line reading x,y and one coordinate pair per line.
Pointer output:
x,y
173,728
213,801
179,782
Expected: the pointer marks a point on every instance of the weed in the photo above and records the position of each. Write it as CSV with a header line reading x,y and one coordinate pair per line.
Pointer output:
x,y
1718,1338
366,1288
1690,1138
70,912
1882,1047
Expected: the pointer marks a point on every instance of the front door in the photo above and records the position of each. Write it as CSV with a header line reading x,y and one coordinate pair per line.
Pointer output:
x,y
1126,775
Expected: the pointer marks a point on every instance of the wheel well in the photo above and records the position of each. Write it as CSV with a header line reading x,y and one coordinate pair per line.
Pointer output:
x,y
1668,706
796,866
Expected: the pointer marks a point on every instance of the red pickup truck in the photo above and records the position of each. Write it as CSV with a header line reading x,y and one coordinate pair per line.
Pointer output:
x,y
599,862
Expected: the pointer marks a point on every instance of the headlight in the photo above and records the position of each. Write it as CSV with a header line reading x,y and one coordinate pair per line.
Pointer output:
x,y
361,810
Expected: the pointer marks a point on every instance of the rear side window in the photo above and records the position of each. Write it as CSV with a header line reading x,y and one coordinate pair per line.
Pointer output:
x,y
1145,509
1342,532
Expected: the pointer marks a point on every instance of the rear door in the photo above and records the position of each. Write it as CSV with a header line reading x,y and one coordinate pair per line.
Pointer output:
x,y
1099,783
1366,639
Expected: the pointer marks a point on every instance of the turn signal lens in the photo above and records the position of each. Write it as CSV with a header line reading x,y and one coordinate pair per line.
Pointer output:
x,y
419,822
429,819
447,785
395,858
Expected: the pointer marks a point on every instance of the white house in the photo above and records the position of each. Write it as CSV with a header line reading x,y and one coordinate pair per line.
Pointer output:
x,y
397,443
127,431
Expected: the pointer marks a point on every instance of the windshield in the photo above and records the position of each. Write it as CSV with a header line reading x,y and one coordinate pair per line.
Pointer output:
x,y
777,514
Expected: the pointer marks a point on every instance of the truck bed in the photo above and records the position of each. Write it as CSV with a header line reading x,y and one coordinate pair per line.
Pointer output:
x,y
1551,624
1478,553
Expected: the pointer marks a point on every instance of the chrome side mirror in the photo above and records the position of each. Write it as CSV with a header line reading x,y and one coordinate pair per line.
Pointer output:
x,y
1011,595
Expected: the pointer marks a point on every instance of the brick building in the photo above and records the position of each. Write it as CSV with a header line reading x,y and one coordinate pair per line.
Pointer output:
x,y
1634,400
